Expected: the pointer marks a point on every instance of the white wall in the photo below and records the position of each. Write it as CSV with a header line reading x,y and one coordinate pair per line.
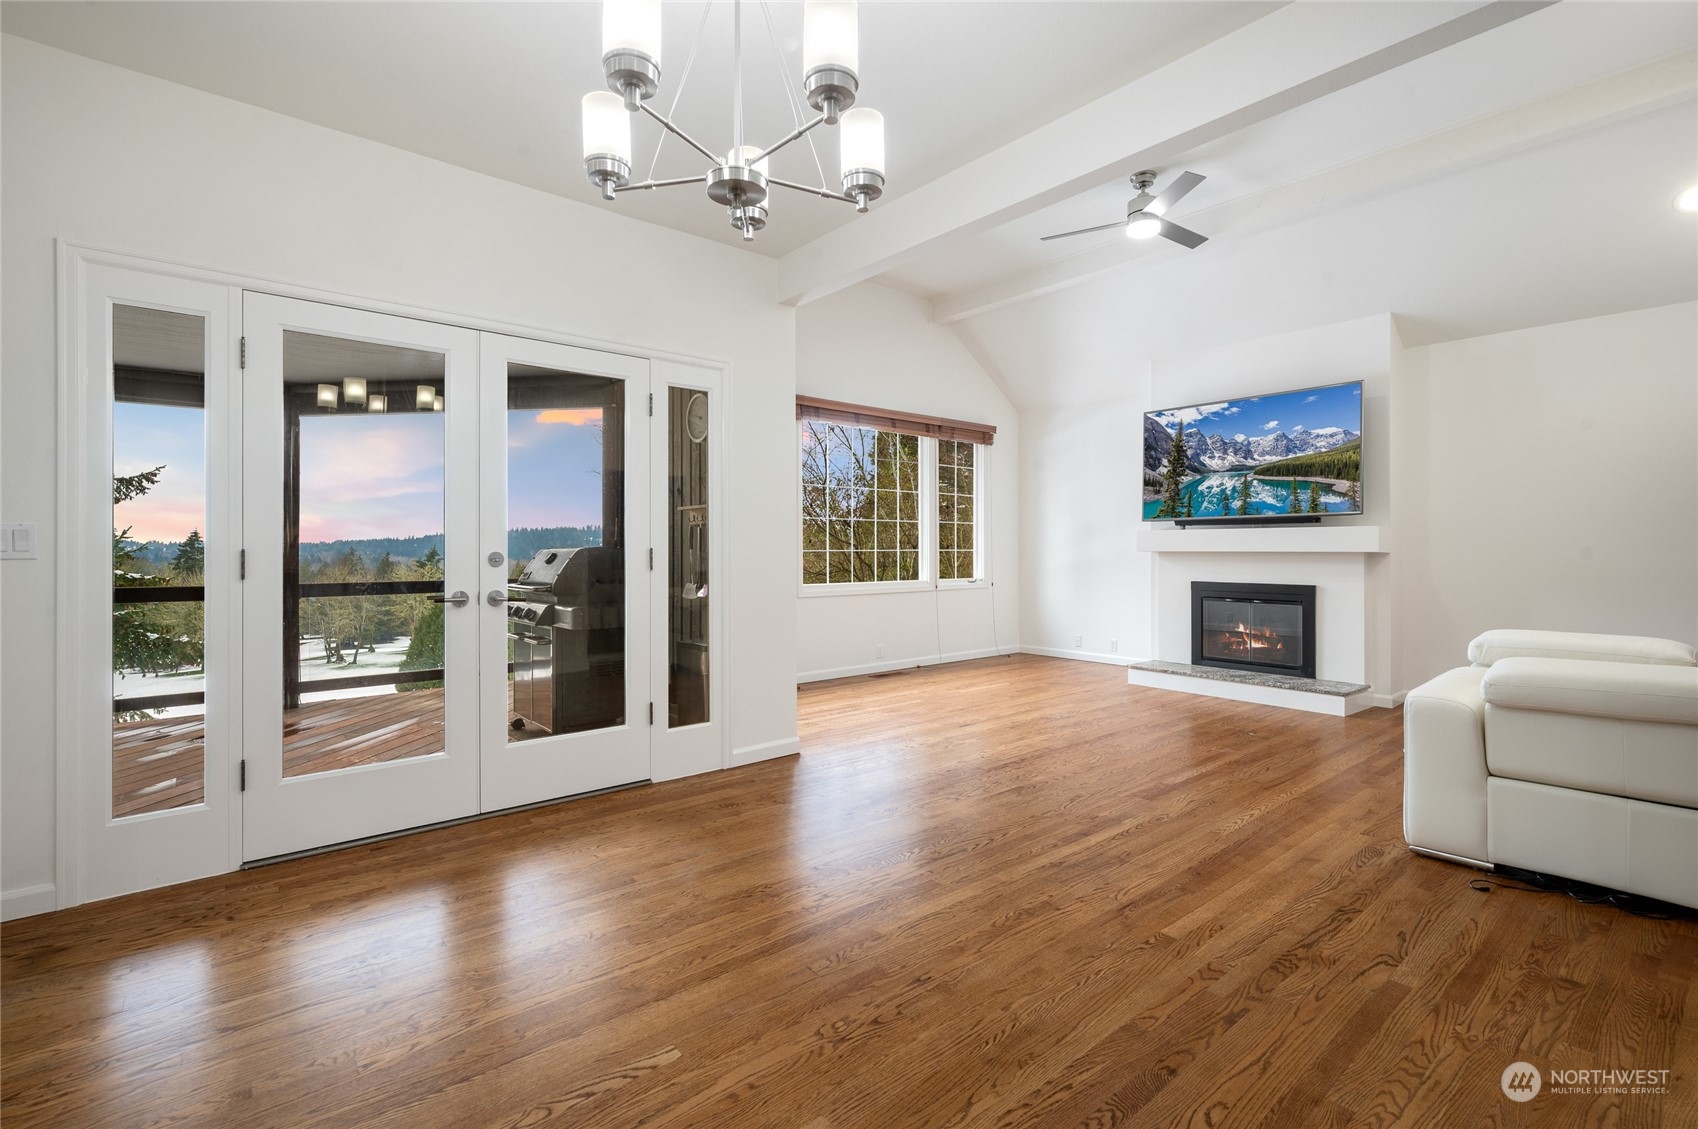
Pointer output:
x,y
1544,477
108,157
1558,484
1081,493
876,346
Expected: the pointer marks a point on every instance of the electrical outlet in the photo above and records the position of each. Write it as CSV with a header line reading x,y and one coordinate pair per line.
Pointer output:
x,y
1114,646
878,650
1078,640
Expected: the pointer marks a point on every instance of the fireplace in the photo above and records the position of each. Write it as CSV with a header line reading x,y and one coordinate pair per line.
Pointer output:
x,y
1268,628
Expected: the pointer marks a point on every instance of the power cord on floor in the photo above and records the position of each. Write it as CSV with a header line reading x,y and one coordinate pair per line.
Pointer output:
x,y
1514,878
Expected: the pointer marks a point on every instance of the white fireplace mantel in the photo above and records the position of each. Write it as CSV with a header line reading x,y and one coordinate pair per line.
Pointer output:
x,y
1267,539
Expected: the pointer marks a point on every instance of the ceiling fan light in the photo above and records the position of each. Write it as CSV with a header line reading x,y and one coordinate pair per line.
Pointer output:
x,y
423,397
1143,225
377,402
436,405
354,389
1687,201
327,396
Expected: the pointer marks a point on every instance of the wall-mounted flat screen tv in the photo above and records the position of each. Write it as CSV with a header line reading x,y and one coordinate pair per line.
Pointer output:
x,y
1281,456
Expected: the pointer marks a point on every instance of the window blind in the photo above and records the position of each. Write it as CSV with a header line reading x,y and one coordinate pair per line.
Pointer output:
x,y
906,423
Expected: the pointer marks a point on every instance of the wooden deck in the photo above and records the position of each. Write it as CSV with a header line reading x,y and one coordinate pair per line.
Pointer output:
x,y
157,765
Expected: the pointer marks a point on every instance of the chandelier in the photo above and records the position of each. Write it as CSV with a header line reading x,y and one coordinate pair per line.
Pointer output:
x,y
630,44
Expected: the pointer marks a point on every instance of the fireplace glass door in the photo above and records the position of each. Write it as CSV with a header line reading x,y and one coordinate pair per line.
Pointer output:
x,y
1253,633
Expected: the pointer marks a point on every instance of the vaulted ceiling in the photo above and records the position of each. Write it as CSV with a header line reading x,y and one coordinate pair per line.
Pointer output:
x,y
1470,166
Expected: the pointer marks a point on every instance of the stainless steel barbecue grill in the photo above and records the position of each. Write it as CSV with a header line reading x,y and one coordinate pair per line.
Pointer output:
x,y
564,618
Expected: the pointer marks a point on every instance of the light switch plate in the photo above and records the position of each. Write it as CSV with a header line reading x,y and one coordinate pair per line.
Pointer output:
x,y
17,541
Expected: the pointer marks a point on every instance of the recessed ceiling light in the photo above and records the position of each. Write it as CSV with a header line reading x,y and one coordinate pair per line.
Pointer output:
x,y
1687,201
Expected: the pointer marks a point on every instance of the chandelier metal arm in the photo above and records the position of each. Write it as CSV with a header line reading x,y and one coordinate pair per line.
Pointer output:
x,y
811,190
796,135
662,183
680,134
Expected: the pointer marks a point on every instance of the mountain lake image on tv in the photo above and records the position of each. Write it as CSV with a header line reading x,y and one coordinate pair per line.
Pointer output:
x,y
1269,457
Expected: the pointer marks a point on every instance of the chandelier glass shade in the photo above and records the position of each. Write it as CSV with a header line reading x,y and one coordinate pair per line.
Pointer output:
x,y
740,180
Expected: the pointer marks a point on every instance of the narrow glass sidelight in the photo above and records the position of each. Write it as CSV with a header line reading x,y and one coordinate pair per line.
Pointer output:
x,y
158,661
363,520
566,646
688,527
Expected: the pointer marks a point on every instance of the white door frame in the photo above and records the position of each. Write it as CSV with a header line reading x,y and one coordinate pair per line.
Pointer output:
x,y
99,856
73,711
689,749
282,815
547,768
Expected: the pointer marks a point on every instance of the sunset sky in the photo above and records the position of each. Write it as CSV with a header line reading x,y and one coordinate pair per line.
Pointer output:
x,y
364,475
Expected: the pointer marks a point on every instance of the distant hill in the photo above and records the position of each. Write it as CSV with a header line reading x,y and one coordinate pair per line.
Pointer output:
x,y
522,545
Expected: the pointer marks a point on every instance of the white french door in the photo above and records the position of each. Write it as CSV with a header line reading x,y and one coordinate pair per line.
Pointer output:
x,y
334,574
565,571
360,439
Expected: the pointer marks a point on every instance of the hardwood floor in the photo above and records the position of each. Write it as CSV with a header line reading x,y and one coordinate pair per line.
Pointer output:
x,y
1014,892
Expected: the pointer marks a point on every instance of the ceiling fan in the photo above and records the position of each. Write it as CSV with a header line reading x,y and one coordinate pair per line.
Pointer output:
x,y
1144,212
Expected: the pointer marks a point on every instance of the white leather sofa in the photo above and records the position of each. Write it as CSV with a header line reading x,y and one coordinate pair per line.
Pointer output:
x,y
1562,753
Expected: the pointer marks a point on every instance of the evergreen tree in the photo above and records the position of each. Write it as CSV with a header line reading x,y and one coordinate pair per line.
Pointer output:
x,y
190,557
1244,496
1315,506
1292,507
1173,477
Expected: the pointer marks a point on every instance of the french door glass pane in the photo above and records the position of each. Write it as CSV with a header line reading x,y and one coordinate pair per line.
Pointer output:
x,y
566,552
687,582
362,553
158,560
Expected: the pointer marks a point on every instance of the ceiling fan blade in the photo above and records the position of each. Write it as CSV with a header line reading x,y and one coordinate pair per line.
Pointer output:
x,y
1084,231
1174,192
1183,236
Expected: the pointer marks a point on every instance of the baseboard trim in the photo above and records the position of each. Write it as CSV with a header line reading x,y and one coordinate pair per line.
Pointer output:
x,y
1082,656
771,750
28,901
887,665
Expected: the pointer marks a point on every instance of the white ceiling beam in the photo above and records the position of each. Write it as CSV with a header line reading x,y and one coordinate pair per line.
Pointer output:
x,y
1290,57
1653,86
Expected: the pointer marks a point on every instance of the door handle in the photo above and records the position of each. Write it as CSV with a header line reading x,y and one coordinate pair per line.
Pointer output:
x,y
458,599
497,597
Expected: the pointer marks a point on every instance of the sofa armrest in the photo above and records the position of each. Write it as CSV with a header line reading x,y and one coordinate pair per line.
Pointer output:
x,y
1506,643
1444,765
1629,691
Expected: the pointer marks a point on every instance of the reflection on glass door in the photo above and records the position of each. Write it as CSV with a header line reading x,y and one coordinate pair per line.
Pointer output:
x,y
566,552
687,582
158,560
362,565
564,633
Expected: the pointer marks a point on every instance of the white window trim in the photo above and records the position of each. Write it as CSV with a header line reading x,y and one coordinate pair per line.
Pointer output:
x,y
929,580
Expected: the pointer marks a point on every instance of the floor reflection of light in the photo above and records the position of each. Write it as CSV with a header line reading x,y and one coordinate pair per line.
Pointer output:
x,y
157,1006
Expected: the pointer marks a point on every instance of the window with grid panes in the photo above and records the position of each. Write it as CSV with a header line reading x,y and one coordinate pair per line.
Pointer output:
x,y
956,541
860,504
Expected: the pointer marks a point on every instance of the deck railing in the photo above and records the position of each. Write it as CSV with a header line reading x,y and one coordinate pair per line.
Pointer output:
x,y
196,593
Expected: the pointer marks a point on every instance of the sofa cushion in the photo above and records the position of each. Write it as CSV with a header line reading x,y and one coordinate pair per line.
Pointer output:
x,y
1504,643
1639,760
1631,691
